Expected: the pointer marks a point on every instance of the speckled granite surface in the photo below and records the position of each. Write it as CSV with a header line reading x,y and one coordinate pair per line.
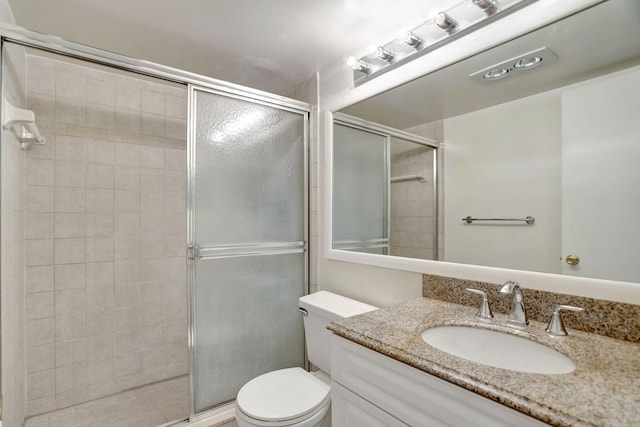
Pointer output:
x,y
604,390
611,319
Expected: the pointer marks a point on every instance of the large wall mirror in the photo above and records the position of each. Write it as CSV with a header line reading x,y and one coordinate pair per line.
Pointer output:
x,y
538,148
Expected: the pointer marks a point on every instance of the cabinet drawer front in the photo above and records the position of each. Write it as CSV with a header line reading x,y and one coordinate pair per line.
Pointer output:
x,y
350,410
413,396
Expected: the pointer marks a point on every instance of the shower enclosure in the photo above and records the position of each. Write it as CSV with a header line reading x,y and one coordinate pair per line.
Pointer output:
x,y
158,237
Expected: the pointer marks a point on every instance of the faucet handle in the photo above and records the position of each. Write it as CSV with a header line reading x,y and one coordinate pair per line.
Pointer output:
x,y
556,327
484,311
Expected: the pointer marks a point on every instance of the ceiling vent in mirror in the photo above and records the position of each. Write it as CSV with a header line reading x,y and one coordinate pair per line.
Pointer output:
x,y
519,64
455,21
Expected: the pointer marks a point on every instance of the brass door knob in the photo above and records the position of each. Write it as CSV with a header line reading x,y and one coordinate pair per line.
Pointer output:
x,y
573,259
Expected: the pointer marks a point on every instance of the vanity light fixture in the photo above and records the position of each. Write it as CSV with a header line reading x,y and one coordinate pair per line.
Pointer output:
x,y
446,22
412,40
383,54
488,6
357,65
457,20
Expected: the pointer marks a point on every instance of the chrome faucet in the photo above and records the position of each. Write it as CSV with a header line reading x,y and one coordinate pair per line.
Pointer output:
x,y
518,314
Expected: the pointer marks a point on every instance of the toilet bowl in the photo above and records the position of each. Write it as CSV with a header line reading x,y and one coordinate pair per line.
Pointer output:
x,y
293,397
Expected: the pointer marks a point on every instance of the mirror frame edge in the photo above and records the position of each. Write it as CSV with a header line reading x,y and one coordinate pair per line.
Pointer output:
x,y
626,292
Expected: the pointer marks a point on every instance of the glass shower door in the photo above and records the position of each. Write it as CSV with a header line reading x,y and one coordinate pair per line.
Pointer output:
x,y
248,230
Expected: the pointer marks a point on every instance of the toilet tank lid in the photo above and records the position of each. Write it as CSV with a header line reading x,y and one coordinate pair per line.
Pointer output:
x,y
333,306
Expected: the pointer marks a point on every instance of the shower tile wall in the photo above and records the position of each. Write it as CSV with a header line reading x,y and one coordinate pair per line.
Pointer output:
x,y
105,234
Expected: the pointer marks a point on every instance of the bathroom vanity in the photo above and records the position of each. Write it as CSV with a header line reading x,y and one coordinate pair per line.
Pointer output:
x,y
384,374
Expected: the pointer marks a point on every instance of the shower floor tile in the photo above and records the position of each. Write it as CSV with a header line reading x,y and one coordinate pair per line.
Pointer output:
x,y
147,406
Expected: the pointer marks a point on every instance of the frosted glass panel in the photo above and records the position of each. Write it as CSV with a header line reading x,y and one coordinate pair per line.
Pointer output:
x,y
250,168
249,196
247,322
360,189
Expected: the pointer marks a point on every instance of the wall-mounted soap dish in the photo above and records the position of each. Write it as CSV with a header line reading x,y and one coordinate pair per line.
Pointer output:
x,y
22,123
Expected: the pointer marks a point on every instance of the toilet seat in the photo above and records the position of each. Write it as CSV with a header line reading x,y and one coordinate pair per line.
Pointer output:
x,y
284,397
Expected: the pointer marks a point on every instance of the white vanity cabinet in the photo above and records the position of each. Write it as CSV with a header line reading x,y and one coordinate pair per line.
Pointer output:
x,y
370,390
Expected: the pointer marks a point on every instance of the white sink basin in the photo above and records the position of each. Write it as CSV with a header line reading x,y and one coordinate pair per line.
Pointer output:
x,y
498,349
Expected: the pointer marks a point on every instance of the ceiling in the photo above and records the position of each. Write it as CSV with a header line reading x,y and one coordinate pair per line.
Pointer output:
x,y
266,44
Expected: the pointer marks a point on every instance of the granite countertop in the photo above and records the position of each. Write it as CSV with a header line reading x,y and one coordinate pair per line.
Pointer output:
x,y
604,389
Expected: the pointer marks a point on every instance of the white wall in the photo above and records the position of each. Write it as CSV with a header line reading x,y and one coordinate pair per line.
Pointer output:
x,y
385,280
504,162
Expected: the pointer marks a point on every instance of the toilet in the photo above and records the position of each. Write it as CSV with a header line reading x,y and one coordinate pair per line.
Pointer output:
x,y
293,397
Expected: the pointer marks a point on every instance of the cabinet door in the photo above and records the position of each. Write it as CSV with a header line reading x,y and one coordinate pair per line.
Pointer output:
x,y
350,410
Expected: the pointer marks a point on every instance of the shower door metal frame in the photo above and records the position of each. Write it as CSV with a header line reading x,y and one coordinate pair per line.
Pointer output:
x,y
53,44
196,253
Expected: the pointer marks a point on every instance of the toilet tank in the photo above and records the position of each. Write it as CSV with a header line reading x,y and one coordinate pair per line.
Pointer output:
x,y
323,308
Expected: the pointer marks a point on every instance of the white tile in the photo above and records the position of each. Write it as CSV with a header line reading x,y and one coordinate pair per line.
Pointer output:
x,y
127,271
70,301
127,342
99,273
176,107
41,80
151,201
101,371
151,179
40,331
71,352
38,225
71,112
153,102
102,152
175,159
152,315
38,172
69,174
99,200
39,279
69,327
100,298
38,305
101,92
100,75
70,276
152,225
68,225
69,199
100,323
69,251
176,353
152,124
128,365
151,157
38,252
151,292
152,337
127,178
40,358
38,199
175,128
71,86
128,121
41,384
175,332
100,116
69,148
175,202
126,318
175,180
43,106
99,249
99,176
127,248
127,224
128,98
127,154
100,347
71,378
100,225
